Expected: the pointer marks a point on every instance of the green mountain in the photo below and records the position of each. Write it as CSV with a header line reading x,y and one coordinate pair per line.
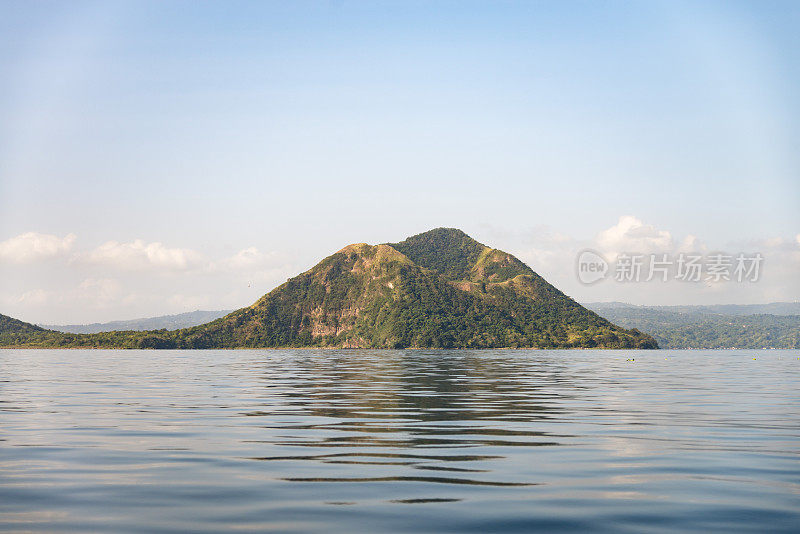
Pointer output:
x,y
16,332
439,289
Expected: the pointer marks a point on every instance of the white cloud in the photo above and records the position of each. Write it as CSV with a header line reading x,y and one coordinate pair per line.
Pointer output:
x,y
553,256
252,262
33,246
99,291
118,280
546,248
189,302
691,243
138,255
35,297
538,257
632,235
245,259
91,292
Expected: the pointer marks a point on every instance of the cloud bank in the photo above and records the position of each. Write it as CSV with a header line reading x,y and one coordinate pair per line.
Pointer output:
x,y
138,255
33,246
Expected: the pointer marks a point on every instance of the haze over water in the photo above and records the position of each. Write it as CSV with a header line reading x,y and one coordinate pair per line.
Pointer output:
x,y
466,441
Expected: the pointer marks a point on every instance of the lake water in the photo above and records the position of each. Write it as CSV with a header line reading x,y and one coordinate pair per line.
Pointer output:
x,y
414,441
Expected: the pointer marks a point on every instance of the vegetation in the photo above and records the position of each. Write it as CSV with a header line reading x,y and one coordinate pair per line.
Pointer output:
x,y
448,251
15,333
440,289
703,327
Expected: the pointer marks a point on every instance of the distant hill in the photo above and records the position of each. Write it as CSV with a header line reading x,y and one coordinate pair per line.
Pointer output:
x,y
773,308
711,327
14,332
168,322
439,289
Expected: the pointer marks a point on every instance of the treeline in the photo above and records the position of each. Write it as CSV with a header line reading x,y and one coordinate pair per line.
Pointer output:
x,y
697,328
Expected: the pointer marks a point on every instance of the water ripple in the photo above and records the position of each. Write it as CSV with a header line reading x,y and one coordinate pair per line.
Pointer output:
x,y
337,441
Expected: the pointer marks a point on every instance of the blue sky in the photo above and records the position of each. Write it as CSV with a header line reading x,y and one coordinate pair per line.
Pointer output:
x,y
177,140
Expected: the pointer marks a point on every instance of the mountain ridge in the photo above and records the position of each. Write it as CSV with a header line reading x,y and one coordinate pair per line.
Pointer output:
x,y
769,308
167,322
744,326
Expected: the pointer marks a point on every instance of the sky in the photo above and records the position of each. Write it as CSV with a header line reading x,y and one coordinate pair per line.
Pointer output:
x,y
162,157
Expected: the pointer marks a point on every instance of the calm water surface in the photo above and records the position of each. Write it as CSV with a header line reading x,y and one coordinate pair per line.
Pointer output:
x,y
344,441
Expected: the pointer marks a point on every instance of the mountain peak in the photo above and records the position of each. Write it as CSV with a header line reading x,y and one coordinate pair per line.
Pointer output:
x,y
448,251
442,230
442,236
357,248
371,254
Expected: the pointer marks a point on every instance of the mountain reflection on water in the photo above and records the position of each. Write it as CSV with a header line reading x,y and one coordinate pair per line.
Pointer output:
x,y
298,440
